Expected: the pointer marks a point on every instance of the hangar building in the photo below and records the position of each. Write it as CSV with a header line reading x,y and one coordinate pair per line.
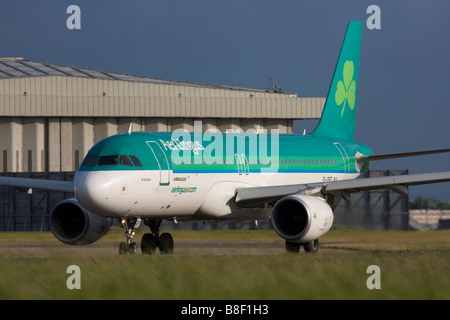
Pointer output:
x,y
51,115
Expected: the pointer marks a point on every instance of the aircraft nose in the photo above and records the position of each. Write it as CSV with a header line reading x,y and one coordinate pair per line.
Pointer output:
x,y
93,191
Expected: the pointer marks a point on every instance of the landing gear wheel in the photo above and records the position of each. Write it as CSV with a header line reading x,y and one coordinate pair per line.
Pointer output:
x,y
151,241
132,248
123,248
128,249
292,247
166,243
148,244
312,246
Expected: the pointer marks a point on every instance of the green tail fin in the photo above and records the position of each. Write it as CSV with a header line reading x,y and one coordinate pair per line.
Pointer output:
x,y
338,116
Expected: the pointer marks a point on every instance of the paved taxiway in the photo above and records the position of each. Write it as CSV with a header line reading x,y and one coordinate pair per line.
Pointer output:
x,y
108,248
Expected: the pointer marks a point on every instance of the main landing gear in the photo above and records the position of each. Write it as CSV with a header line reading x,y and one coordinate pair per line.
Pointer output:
x,y
310,246
150,241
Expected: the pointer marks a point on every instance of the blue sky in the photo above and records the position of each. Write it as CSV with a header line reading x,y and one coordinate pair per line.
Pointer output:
x,y
404,79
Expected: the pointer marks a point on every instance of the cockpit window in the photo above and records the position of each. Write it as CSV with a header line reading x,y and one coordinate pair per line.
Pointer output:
x,y
90,161
125,161
112,160
108,160
136,161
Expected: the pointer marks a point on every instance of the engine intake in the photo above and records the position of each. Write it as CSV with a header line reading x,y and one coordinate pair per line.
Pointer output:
x,y
300,218
74,225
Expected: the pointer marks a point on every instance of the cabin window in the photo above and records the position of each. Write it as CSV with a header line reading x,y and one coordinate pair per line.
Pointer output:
x,y
108,160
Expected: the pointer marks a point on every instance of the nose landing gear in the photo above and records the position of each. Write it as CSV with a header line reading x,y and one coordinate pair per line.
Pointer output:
x,y
150,241
129,247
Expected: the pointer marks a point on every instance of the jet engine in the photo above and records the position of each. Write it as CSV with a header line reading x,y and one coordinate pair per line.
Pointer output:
x,y
300,218
74,225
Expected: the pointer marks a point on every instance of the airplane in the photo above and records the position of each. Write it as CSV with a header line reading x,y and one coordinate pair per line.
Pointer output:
x,y
296,180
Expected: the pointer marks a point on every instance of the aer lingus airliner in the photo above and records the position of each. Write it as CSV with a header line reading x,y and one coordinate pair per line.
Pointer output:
x,y
295,180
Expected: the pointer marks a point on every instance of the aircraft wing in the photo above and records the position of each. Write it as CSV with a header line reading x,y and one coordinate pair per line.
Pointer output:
x,y
27,184
254,196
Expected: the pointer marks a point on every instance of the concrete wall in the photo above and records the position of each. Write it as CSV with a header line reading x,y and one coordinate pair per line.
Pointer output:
x,y
61,96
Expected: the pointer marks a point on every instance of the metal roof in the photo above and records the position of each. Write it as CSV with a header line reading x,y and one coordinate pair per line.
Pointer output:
x,y
21,68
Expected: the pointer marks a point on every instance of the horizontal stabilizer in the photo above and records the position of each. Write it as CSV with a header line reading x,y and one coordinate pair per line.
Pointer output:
x,y
375,157
357,185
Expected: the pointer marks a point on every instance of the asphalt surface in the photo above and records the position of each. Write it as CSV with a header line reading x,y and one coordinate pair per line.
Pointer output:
x,y
109,248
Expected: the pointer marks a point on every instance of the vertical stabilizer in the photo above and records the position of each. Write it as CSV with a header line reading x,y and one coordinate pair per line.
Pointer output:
x,y
338,116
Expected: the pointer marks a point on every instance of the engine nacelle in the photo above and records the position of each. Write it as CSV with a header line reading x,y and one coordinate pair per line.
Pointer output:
x,y
300,218
74,225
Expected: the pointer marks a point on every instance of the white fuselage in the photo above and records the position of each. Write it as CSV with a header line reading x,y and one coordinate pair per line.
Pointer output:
x,y
187,196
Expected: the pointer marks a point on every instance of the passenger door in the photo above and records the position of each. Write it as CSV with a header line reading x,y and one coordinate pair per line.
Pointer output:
x,y
163,162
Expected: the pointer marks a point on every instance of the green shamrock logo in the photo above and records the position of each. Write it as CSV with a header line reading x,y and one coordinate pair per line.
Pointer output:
x,y
346,91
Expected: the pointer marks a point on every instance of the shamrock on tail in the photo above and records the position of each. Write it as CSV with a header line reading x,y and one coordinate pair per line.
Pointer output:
x,y
346,91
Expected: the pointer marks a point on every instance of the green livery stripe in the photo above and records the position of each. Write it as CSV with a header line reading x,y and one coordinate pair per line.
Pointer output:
x,y
190,153
256,165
